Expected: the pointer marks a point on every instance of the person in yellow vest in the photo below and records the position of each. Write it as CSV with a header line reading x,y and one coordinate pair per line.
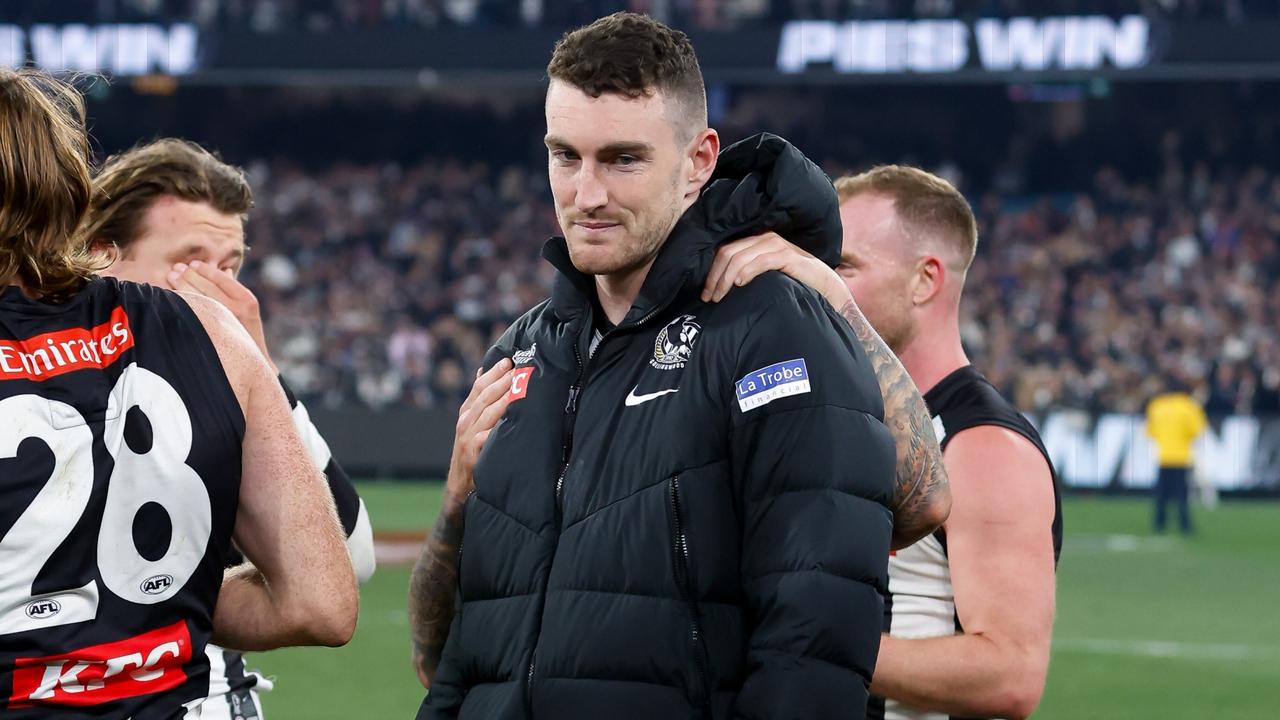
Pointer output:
x,y
1174,420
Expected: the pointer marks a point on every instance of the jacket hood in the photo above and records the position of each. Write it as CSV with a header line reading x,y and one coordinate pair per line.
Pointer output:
x,y
765,183
760,184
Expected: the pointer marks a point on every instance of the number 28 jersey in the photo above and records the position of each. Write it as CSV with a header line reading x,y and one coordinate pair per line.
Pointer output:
x,y
120,445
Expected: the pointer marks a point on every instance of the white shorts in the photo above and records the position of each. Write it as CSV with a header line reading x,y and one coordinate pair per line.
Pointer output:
x,y
224,703
239,705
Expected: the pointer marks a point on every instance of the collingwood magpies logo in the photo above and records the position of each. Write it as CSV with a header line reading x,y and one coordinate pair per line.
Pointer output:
x,y
674,344
524,357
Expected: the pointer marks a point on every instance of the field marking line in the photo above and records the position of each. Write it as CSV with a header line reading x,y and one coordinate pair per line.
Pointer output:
x,y
1087,543
1169,649
397,548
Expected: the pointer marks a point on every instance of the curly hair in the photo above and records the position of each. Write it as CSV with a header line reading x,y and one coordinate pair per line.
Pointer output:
x,y
633,55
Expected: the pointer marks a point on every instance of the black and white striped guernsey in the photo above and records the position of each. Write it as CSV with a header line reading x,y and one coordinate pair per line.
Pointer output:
x,y
921,600
120,447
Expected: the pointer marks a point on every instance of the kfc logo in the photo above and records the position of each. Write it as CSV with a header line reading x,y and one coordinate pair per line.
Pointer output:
x,y
147,663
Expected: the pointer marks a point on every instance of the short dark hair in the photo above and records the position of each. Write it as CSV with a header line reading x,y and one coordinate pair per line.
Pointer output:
x,y
129,184
633,55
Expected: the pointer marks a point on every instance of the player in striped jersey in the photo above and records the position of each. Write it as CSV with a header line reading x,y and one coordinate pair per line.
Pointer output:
x,y
969,616
169,213
139,436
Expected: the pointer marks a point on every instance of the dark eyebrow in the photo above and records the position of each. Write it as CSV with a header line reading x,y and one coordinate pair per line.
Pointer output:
x,y
621,147
626,148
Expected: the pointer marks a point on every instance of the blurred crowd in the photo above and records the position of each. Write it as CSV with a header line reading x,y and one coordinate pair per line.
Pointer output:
x,y
1128,236
337,15
383,285
1100,300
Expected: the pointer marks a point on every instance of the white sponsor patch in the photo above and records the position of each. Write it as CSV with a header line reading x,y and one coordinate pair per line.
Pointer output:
x,y
779,380
524,357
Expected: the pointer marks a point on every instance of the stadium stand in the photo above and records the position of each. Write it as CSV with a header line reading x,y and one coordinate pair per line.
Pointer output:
x,y
267,16
384,281
1129,231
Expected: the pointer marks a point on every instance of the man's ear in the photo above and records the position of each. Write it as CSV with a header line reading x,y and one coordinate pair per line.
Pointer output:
x,y
930,277
704,150
108,251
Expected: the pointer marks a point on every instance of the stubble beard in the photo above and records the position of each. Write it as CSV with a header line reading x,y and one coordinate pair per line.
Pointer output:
x,y
900,333
636,250
897,330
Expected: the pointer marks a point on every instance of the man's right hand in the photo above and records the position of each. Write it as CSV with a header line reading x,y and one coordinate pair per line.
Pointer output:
x,y
208,280
741,261
479,414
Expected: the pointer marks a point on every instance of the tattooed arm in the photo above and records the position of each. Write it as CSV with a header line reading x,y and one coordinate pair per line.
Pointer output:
x,y
922,495
432,587
434,582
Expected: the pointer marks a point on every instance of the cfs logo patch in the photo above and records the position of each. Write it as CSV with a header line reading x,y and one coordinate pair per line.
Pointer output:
x,y
520,383
674,344
520,380
140,665
779,380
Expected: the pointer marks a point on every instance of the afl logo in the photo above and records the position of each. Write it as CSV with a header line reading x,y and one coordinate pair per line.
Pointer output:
x,y
156,584
674,344
41,609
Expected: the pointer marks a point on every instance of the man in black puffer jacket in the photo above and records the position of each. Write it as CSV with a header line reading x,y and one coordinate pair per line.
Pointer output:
x,y
685,510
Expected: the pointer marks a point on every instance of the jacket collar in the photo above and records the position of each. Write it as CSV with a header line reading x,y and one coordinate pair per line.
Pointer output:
x,y
686,254
761,183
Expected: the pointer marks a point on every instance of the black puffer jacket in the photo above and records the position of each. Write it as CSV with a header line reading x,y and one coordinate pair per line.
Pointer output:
x,y
693,521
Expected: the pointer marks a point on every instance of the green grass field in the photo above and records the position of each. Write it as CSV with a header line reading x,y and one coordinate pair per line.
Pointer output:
x,y
1148,627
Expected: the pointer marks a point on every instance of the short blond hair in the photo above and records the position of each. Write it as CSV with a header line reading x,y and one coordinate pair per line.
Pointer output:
x,y
924,202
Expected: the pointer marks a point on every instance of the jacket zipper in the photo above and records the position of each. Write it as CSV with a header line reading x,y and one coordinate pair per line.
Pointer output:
x,y
680,549
571,406
566,448
528,683
566,451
